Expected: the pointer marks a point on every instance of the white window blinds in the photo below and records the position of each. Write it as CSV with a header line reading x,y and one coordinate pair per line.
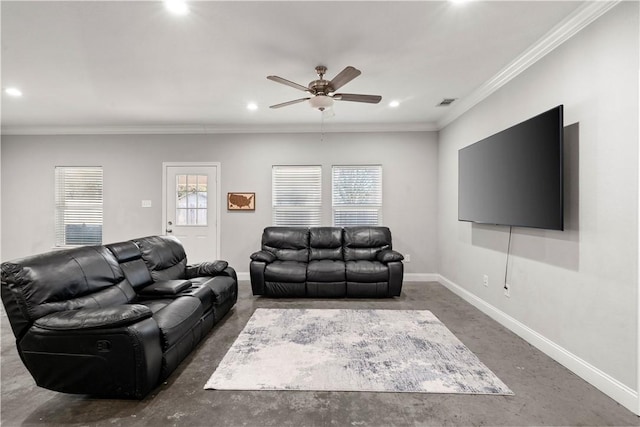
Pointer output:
x,y
296,195
357,195
78,211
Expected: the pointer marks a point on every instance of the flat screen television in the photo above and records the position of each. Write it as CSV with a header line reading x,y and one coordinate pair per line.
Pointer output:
x,y
515,176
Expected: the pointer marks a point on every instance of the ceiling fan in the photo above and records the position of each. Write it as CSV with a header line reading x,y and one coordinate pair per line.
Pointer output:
x,y
323,91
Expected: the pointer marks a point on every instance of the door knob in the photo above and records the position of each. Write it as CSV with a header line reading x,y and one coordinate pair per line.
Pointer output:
x,y
168,230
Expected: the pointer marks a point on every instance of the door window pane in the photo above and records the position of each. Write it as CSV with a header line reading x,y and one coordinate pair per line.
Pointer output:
x,y
191,199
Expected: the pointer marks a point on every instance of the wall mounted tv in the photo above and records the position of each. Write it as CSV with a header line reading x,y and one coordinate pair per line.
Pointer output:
x,y
515,176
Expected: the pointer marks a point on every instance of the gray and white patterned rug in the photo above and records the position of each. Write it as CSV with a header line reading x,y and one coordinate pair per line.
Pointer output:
x,y
352,350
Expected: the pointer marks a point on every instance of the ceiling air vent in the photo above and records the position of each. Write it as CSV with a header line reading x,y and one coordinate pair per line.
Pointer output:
x,y
446,102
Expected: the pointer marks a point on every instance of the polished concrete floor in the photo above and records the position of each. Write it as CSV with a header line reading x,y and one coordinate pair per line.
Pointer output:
x,y
545,392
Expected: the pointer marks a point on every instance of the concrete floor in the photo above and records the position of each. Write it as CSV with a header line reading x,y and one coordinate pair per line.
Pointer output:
x,y
545,392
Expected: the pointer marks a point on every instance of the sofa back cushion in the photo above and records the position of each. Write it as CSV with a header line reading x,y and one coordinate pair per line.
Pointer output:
x,y
325,243
364,243
164,256
133,266
86,277
287,243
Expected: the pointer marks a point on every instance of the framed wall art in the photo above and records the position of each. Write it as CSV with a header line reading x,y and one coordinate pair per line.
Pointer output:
x,y
241,201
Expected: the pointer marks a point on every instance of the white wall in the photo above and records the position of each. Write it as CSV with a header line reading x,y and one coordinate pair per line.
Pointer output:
x,y
1,199
574,291
133,172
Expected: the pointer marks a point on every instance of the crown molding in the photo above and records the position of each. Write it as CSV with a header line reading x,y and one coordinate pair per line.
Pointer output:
x,y
217,129
563,31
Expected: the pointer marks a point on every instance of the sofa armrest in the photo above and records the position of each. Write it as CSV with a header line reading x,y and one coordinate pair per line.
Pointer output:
x,y
94,318
389,255
214,268
263,256
396,275
231,272
256,274
109,360
165,288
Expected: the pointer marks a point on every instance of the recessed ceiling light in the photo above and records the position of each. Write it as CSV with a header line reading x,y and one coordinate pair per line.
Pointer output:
x,y
394,104
177,7
252,106
13,91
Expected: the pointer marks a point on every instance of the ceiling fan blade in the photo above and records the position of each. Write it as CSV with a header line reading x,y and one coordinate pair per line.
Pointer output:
x,y
288,83
371,99
284,104
344,77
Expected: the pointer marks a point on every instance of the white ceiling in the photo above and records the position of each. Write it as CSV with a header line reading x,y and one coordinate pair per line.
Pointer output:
x,y
106,66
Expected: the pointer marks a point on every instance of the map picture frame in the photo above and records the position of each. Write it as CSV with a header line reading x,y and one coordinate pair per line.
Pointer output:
x,y
241,201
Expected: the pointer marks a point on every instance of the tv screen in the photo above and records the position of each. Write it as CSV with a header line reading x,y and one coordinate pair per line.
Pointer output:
x,y
515,176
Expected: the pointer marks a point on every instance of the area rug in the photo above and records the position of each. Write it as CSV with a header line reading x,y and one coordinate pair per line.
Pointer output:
x,y
352,350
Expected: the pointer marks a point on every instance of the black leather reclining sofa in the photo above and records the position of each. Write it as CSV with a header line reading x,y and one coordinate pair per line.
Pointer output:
x,y
113,320
326,262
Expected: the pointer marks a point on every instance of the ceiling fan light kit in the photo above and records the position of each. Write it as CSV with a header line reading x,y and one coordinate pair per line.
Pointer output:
x,y
321,102
323,91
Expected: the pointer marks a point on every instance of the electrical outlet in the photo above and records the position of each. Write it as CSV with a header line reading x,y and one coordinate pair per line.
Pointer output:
x,y
407,257
485,280
507,290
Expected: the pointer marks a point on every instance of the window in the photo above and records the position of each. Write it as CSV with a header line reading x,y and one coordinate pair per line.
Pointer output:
x,y
297,195
78,211
357,195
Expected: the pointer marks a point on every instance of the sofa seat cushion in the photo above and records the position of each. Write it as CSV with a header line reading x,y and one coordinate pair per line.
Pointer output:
x,y
367,271
155,305
177,318
326,271
286,271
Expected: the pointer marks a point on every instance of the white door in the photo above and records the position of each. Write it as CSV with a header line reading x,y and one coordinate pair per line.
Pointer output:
x,y
191,208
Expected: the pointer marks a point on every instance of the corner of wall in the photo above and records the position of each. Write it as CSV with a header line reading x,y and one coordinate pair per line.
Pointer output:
x,y
613,388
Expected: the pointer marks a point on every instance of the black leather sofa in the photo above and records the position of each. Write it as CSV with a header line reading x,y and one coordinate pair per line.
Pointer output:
x,y
326,262
113,320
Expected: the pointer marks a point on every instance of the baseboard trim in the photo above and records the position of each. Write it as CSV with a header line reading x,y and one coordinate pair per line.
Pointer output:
x,y
613,388
408,277
420,277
